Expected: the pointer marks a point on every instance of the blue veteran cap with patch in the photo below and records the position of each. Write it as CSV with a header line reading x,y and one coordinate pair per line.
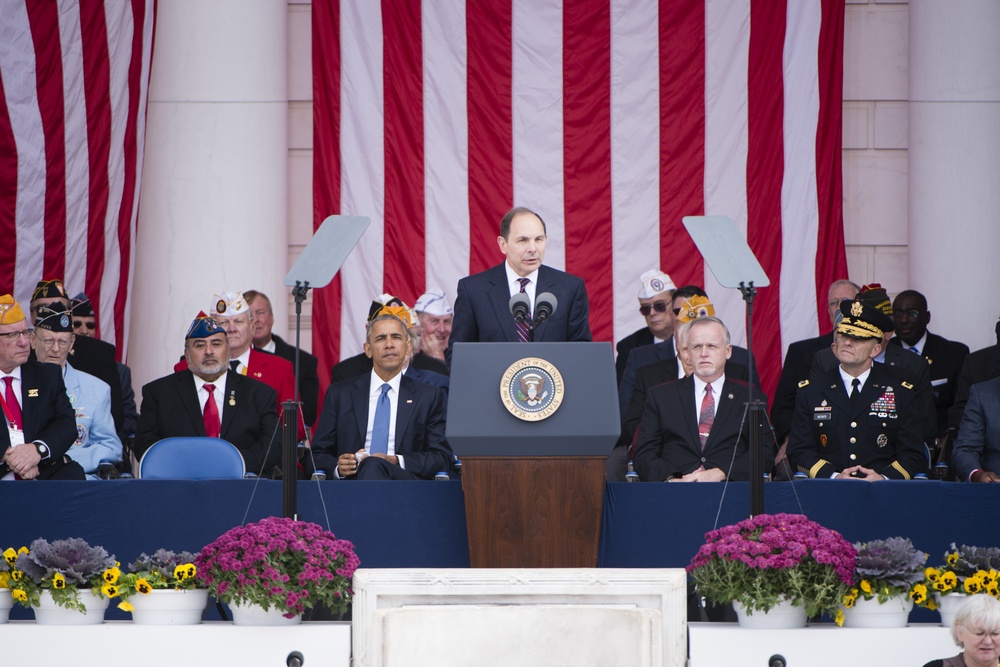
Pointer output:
x,y
203,326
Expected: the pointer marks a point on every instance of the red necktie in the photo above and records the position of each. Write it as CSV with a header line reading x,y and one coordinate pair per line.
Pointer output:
x,y
524,327
13,406
213,426
707,415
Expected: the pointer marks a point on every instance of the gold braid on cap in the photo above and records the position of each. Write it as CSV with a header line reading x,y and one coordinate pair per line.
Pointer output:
x,y
857,328
695,307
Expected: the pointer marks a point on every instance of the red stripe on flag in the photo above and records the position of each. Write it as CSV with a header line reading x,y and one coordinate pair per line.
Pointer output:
x,y
8,197
326,174
831,257
587,155
682,136
405,224
125,215
96,76
491,136
44,24
765,172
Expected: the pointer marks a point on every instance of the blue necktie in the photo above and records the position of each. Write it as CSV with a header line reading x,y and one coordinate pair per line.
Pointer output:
x,y
380,427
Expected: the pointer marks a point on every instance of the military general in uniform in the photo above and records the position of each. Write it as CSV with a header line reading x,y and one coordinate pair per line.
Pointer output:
x,y
857,420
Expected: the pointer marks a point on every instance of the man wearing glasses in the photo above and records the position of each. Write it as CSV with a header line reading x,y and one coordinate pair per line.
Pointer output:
x,y
654,305
39,426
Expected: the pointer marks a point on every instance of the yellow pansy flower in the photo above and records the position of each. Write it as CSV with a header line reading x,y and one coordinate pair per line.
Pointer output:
x,y
58,581
951,558
125,605
972,585
932,574
10,555
111,575
848,601
109,590
866,587
839,618
4,578
19,595
931,604
950,580
919,594
16,575
143,586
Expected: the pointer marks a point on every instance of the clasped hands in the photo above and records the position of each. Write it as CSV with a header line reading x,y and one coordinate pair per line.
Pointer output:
x,y
347,464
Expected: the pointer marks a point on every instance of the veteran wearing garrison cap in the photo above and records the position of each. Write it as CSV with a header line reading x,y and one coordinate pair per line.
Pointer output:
x,y
655,294
96,441
435,315
206,398
857,420
38,426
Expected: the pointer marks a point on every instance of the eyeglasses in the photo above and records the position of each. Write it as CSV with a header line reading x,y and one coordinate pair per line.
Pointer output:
x,y
61,343
911,313
80,323
659,306
14,335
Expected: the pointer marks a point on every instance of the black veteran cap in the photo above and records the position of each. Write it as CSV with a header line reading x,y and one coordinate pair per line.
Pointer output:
x,y
48,289
862,320
57,320
80,305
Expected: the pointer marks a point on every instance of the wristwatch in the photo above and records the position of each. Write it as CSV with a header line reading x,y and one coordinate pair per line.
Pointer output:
x,y
42,449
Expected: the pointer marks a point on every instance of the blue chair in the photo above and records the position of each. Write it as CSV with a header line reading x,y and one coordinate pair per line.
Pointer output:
x,y
192,458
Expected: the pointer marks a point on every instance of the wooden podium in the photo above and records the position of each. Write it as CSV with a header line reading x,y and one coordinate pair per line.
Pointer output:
x,y
533,487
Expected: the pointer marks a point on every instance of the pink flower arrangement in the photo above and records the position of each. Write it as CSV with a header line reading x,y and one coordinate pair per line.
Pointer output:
x,y
281,563
772,557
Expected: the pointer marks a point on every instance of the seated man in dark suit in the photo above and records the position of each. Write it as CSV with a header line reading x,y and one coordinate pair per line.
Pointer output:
x,y
39,425
207,399
976,456
695,429
383,425
857,420
265,340
361,364
944,357
979,366
655,296
482,307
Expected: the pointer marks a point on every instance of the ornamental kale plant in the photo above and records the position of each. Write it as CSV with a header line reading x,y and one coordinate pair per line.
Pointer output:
x,y
281,563
886,568
162,571
761,561
966,571
63,567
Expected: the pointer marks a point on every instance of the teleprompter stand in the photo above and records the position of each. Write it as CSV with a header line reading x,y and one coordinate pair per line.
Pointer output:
x,y
322,258
734,265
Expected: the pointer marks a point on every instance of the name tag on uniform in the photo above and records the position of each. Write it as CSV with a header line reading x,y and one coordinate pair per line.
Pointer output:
x,y
16,435
822,413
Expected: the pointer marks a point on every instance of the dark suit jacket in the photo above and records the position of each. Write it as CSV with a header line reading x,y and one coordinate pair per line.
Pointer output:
x,y
420,415
308,376
978,444
361,364
904,366
639,338
47,415
945,358
978,367
669,446
797,367
482,312
828,435
170,408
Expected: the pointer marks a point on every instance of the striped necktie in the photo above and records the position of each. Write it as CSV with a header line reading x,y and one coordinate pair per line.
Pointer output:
x,y
524,333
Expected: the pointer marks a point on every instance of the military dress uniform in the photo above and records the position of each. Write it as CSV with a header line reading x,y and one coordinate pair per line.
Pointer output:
x,y
881,432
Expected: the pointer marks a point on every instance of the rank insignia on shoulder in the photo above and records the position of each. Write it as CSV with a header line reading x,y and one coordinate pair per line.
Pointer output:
x,y
907,385
804,383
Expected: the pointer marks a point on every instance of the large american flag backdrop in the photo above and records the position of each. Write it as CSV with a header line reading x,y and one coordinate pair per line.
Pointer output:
x,y
611,118
73,87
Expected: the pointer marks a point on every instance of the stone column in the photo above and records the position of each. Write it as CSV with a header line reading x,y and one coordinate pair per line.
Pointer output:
x,y
213,205
954,164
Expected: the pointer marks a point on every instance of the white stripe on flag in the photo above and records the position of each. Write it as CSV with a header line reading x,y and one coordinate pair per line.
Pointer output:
x,y
446,144
727,45
635,153
538,118
363,170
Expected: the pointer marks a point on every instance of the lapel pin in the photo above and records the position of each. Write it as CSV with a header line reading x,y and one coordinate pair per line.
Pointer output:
x,y
730,397
232,397
409,400
32,393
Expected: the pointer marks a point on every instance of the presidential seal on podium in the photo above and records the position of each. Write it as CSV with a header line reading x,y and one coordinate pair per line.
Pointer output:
x,y
531,389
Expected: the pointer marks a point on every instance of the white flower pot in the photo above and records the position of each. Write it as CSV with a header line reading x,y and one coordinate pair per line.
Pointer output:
x,y
49,613
169,607
780,617
6,602
252,614
893,613
948,606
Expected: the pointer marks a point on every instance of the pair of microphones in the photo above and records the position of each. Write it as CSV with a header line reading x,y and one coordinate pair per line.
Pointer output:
x,y
520,307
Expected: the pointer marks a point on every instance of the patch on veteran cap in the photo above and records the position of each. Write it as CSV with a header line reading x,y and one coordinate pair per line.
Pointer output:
x,y
655,282
10,310
433,302
49,289
203,326
55,318
695,307
229,304
402,312
861,320
80,306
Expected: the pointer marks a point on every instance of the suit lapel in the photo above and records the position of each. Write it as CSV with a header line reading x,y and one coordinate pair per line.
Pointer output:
x,y
360,394
188,395
723,406
405,407
686,388
500,298
230,399
29,385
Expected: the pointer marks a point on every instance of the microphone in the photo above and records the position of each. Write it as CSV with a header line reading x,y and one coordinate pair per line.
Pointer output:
x,y
545,304
777,660
294,659
520,307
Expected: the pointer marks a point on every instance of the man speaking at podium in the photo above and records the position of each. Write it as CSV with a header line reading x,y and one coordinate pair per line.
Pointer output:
x,y
483,306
